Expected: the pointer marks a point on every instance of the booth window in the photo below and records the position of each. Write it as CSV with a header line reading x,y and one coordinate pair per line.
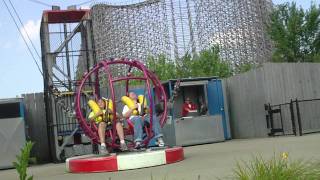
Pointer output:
x,y
196,92
9,110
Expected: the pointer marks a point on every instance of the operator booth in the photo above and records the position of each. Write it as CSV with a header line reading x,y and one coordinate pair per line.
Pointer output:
x,y
207,122
12,130
117,90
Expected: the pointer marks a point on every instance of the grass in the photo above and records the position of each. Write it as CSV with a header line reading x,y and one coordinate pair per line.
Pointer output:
x,y
277,168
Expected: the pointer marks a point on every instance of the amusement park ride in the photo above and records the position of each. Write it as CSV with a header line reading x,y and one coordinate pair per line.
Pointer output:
x,y
127,160
152,83
74,79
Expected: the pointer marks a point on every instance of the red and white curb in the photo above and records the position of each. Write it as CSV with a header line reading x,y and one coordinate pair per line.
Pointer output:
x,y
135,160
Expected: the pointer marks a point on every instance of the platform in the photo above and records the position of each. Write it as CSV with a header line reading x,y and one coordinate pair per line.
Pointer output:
x,y
124,161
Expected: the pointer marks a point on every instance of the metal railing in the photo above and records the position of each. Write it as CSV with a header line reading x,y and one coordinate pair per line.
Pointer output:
x,y
296,117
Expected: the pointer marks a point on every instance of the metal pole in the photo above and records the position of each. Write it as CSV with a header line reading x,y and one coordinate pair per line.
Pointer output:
x,y
193,47
281,120
67,54
176,52
299,117
292,118
47,81
48,61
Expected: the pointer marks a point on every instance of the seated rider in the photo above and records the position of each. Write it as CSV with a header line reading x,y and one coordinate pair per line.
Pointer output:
x,y
138,121
102,128
187,107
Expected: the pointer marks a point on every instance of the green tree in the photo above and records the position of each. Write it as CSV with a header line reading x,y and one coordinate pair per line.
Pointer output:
x,y
295,33
209,63
244,67
162,67
206,63
311,34
184,66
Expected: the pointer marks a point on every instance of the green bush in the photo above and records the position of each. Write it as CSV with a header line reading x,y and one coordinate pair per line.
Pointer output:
x,y
22,162
205,63
277,168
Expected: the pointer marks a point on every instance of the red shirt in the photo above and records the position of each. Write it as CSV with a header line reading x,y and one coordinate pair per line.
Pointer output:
x,y
186,106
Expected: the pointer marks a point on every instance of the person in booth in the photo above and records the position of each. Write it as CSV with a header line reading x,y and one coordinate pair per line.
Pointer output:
x,y
187,107
138,119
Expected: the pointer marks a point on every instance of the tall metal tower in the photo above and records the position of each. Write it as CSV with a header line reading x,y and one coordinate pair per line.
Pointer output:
x,y
177,27
67,52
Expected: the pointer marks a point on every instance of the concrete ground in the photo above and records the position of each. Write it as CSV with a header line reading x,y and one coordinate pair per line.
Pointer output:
x,y
204,162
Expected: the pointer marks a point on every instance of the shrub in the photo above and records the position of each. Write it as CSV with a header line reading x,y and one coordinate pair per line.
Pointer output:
x,y
278,167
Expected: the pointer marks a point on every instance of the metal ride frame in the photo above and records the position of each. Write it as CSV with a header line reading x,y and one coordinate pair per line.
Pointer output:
x,y
67,51
148,77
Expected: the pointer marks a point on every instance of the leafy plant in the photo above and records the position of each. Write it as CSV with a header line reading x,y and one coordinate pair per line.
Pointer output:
x,y
278,167
22,161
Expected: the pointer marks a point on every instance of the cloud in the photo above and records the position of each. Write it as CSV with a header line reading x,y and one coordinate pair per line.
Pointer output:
x,y
31,28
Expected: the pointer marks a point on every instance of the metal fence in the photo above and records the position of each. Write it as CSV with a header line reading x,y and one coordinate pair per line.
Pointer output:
x,y
308,115
296,117
66,122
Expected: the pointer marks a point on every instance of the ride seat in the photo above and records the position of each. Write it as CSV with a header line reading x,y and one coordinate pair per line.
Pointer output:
x,y
146,127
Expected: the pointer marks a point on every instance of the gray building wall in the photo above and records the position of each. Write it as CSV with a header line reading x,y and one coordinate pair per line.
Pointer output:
x,y
12,139
12,131
272,83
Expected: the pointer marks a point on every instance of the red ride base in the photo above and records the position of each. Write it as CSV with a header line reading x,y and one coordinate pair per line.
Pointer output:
x,y
125,161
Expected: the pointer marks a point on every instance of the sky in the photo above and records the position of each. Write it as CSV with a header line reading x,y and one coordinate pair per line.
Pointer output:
x,y
18,71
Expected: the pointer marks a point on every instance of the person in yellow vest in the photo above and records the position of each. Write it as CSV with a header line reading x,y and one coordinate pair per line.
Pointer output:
x,y
138,122
101,119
